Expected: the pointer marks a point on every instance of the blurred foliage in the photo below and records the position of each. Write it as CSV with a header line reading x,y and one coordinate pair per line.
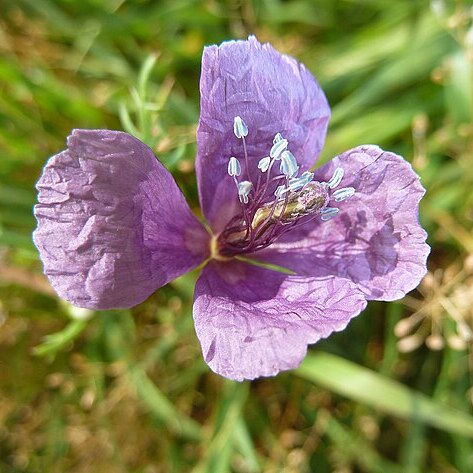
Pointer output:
x,y
127,391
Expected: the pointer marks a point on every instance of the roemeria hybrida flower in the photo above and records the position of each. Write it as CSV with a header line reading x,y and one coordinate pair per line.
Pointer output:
x,y
113,226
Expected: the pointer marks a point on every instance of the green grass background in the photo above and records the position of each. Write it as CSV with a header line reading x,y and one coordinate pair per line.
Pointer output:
x,y
127,391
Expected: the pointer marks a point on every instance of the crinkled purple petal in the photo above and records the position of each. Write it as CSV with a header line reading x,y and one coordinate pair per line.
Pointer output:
x,y
375,240
272,93
254,322
112,224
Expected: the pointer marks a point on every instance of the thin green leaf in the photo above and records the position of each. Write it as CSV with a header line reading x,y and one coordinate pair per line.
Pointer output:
x,y
351,443
162,408
145,73
126,120
244,444
220,447
57,341
368,387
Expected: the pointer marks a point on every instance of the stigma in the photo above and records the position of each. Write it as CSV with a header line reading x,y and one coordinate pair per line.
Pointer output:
x,y
277,198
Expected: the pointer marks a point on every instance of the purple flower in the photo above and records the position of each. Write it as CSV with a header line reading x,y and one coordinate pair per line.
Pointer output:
x,y
113,225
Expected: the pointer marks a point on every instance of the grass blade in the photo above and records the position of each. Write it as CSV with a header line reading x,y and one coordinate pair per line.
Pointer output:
x,y
368,387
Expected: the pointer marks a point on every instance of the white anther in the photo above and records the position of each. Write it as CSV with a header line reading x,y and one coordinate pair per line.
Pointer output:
x,y
244,188
336,178
278,148
288,165
280,191
277,137
239,127
234,168
343,193
264,163
301,181
307,175
328,213
297,183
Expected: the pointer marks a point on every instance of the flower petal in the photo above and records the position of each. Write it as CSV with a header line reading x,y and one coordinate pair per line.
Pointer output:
x,y
112,224
255,322
376,239
272,93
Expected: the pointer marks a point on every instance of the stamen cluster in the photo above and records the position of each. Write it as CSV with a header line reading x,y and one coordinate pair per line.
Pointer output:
x,y
266,214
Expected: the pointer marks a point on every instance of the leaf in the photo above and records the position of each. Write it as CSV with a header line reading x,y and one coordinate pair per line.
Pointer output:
x,y
226,426
57,341
162,408
368,387
351,443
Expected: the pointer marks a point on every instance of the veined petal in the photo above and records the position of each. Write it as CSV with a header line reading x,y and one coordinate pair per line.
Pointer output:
x,y
254,322
272,93
376,239
112,224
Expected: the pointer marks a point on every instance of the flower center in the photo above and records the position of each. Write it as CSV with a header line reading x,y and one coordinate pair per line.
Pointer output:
x,y
277,201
